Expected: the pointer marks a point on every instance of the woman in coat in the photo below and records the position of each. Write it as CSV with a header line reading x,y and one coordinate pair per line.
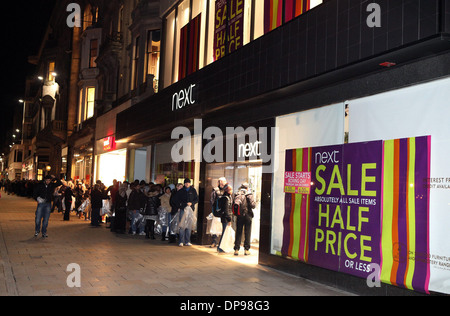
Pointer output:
x,y
226,206
97,197
151,212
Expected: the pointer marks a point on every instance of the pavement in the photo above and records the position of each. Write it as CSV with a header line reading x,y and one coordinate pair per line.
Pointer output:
x,y
109,264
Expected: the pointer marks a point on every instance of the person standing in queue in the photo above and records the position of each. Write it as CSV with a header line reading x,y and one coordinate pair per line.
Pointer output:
x,y
97,197
216,194
185,197
68,194
43,195
244,203
226,210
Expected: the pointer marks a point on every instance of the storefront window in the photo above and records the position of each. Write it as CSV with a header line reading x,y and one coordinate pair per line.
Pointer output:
x,y
166,172
220,31
111,166
152,56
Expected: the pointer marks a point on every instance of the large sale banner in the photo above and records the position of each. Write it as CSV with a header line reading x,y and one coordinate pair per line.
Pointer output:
x,y
228,27
367,204
345,207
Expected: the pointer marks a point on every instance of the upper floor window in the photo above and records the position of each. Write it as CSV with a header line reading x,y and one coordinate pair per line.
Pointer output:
x,y
199,32
86,104
135,64
90,16
93,53
152,56
51,74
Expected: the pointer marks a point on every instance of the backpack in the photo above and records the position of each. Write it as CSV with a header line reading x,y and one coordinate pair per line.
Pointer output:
x,y
240,209
217,211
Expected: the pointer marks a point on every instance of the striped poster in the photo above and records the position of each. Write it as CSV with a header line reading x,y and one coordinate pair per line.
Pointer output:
x,y
273,14
294,8
296,218
405,214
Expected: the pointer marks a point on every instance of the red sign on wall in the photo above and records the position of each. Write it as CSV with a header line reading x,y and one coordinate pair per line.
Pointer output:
x,y
109,143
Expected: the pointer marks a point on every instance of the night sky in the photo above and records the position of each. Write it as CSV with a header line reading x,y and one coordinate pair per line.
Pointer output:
x,y
23,24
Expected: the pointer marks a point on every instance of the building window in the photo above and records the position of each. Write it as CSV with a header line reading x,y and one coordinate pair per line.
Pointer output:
x,y
86,108
51,71
90,16
90,102
93,53
221,30
152,56
189,48
135,66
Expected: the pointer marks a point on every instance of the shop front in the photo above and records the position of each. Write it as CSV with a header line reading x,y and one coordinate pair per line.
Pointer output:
x,y
353,180
110,161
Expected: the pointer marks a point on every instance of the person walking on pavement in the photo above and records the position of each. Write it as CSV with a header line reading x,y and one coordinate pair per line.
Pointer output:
x,y
244,203
43,195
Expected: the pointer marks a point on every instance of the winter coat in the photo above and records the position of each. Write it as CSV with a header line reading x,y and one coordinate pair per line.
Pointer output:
x,y
137,200
184,197
165,202
226,205
153,203
46,191
97,198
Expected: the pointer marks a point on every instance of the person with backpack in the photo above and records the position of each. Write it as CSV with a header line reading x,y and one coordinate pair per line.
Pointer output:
x,y
226,211
216,194
243,206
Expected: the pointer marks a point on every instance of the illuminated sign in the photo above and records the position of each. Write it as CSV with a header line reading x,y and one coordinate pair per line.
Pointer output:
x,y
183,98
109,143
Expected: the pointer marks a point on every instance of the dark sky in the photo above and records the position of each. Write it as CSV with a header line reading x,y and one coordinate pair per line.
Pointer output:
x,y
23,25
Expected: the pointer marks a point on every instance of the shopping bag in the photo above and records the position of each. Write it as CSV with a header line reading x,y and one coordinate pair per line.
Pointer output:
x,y
106,208
216,226
227,243
83,206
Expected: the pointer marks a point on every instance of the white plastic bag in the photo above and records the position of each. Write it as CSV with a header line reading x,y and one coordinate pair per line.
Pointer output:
x,y
227,243
216,226
106,209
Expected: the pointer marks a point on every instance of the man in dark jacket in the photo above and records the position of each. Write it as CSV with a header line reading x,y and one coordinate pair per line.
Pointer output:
x,y
43,195
245,203
136,205
187,196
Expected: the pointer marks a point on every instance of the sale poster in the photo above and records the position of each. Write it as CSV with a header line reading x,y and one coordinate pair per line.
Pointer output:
x,y
228,27
345,207
366,205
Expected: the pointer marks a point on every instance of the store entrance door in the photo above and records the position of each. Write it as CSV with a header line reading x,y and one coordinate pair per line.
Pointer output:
x,y
237,173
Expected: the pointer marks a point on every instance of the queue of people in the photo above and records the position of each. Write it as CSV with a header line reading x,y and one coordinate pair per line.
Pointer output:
x,y
148,207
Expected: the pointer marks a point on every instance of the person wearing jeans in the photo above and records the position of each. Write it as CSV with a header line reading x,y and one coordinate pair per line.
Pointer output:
x,y
42,215
185,197
43,195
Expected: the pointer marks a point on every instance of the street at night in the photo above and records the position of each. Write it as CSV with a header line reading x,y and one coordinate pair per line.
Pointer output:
x,y
113,264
